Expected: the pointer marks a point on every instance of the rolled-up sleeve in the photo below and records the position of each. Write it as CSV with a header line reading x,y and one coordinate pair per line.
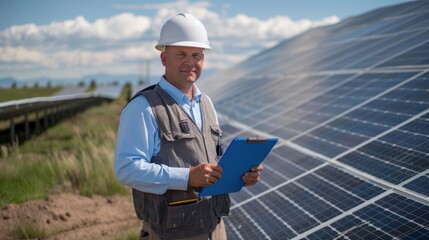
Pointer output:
x,y
137,141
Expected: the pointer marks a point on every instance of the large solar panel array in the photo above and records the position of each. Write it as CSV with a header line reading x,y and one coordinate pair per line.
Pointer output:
x,y
350,104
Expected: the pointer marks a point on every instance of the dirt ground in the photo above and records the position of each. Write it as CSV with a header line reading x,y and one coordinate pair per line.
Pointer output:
x,y
70,216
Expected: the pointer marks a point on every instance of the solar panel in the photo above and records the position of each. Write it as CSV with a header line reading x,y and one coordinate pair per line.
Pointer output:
x,y
350,105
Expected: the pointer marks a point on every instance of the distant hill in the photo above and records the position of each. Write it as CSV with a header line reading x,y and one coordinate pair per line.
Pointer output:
x,y
7,82
100,78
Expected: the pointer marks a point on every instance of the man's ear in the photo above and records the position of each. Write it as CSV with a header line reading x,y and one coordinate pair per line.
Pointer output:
x,y
163,58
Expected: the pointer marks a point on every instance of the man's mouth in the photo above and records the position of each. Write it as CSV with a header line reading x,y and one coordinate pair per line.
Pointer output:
x,y
190,70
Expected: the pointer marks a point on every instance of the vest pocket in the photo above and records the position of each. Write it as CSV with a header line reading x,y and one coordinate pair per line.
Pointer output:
x,y
172,136
190,215
217,138
216,132
222,205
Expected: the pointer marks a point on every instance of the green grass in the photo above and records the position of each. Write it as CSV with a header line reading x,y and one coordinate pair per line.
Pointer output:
x,y
21,93
129,235
76,155
28,230
24,181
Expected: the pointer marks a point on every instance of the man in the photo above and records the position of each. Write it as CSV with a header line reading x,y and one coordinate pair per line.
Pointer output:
x,y
168,141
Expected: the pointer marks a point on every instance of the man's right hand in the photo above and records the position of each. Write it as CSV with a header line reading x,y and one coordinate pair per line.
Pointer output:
x,y
204,174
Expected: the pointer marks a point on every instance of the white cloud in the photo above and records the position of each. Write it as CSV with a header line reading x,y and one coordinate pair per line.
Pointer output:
x,y
125,26
125,40
25,56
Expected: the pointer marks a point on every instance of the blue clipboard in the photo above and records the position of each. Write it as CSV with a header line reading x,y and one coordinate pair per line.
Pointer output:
x,y
240,156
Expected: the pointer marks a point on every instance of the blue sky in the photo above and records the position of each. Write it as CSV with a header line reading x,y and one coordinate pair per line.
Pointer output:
x,y
69,39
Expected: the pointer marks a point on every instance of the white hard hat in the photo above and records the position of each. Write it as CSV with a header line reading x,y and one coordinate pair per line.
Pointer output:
x,y
183,30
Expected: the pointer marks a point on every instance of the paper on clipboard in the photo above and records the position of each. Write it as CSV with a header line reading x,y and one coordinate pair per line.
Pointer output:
x,y
241,155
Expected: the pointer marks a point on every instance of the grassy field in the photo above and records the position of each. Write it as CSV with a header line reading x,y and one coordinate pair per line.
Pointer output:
x,y
21,93
75,155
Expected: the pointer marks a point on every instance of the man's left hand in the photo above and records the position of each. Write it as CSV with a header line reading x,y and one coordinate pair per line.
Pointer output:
x,y
252,177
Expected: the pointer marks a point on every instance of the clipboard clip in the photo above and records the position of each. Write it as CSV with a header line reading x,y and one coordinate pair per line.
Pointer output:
x,y
256,139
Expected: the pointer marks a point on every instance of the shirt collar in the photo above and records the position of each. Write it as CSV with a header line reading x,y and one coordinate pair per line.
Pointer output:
x,y
178,95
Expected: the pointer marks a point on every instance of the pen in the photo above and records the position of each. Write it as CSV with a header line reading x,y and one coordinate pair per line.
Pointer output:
x,y
181,202
219,150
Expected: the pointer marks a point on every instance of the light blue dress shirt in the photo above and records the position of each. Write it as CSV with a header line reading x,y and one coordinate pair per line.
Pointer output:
x,y
138,140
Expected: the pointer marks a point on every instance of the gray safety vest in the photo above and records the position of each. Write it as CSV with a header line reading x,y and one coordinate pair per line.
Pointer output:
x,y
182,145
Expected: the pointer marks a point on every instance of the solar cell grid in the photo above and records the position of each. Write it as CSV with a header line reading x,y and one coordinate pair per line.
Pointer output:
x,y
416,56
351,227
359,126
420,234
257,188
266,126
287,96
368,232
341,138
367,48
386,49
239,197
241,106
320,145
238,87
273,176
376,116
296,98
395,107
423,24
337,135
419,185
295,217
325,53
282,167
377,167
319,114
420,82
320,209
294,127
345,101
375,15
346,223
403,157
247,229
348,55
288,132
278,123
329,192
350,183
272,224
324,233
406,207
248,89
406,139
408,22
369,29
387,221
414,96
301,60
275,112
296,157
364,87
416,7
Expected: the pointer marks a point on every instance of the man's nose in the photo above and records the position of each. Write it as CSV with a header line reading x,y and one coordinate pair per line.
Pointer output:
x,y
190,61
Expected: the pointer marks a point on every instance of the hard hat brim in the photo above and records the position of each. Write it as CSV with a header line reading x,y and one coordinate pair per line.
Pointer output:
x,y
161,47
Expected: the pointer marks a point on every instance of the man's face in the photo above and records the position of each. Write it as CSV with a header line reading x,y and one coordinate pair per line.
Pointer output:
x,y
183,65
